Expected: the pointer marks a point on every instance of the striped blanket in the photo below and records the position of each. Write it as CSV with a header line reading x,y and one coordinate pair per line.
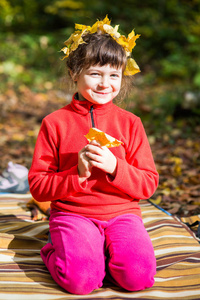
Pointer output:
x,y
24,276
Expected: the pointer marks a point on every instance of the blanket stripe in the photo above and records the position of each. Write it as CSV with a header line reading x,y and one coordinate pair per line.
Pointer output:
x,y
24,276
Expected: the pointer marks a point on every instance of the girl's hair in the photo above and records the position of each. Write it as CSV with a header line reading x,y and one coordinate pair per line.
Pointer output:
x,y
98,49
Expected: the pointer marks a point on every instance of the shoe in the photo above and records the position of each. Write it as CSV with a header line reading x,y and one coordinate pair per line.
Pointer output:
x,y
14,179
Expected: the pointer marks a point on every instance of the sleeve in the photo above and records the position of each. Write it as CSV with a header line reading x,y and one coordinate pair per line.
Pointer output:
x,y
45,181
137,175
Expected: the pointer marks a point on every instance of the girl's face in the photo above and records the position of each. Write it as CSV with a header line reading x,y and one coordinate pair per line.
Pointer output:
x,y
99,84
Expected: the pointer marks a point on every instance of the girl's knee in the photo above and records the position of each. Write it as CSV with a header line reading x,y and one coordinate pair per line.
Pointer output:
x,y
134,275
83,284
77,263
137,279
81,281
132,262
77,275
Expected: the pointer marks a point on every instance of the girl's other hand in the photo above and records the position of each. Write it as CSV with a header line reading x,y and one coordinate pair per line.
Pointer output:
x,y
84,166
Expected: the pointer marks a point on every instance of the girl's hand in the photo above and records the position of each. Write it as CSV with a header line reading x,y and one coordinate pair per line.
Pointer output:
x,y
84,166
101,157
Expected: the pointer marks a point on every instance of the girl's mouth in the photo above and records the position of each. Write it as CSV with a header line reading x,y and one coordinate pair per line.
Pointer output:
x,y
102,93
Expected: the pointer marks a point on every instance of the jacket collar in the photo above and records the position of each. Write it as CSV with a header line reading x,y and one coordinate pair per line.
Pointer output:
x,y
83,107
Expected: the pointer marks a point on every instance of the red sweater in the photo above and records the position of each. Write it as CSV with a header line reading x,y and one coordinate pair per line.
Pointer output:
x,y
53,175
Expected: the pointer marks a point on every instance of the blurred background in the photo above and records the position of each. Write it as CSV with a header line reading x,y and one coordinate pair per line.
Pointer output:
x,y
166,94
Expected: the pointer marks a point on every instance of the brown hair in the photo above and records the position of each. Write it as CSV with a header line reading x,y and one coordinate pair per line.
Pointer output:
x,y
99,49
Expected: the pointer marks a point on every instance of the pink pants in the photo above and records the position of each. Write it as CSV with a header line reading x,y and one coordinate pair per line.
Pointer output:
x,y
82,251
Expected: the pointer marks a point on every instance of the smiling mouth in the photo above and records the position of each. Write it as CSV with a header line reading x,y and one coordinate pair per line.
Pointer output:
x,y
102,93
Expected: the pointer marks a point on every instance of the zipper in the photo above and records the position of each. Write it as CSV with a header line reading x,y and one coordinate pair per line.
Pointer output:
x,y
92,115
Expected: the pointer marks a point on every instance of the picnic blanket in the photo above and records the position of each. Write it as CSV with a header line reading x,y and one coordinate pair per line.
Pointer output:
x,y
24,276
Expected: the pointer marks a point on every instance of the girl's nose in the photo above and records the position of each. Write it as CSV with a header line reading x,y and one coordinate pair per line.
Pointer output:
x,y
104,83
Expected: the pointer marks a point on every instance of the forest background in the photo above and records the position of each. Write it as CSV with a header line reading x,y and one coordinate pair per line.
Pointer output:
x,y
166,94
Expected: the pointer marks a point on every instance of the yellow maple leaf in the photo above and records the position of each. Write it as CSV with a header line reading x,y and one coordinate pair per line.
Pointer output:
x,y
157,201
102,138
66,52
131,40
99,25
122,40
82,27
131,67
77,40
69,40
113,31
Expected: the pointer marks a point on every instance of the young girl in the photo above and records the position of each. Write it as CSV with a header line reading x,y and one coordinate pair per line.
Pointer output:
x,y
95,224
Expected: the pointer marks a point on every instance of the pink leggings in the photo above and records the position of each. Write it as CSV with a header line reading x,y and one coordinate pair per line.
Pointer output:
x,y
83,250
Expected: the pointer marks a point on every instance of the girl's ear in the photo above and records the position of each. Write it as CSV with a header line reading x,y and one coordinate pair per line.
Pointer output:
x,y
73,76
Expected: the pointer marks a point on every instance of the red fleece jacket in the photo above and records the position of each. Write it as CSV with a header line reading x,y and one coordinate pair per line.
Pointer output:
x,y
53,175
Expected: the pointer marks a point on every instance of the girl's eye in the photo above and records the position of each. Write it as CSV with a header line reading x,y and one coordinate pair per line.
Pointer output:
x,y
94,74
114,75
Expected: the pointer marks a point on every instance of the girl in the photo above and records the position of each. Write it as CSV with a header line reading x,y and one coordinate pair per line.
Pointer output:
x,y
95,223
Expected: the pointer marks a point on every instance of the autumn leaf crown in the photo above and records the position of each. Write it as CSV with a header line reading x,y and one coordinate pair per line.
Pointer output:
x,y
104,26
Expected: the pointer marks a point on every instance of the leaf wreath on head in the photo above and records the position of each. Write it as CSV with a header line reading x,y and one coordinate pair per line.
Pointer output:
x,y
128,43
